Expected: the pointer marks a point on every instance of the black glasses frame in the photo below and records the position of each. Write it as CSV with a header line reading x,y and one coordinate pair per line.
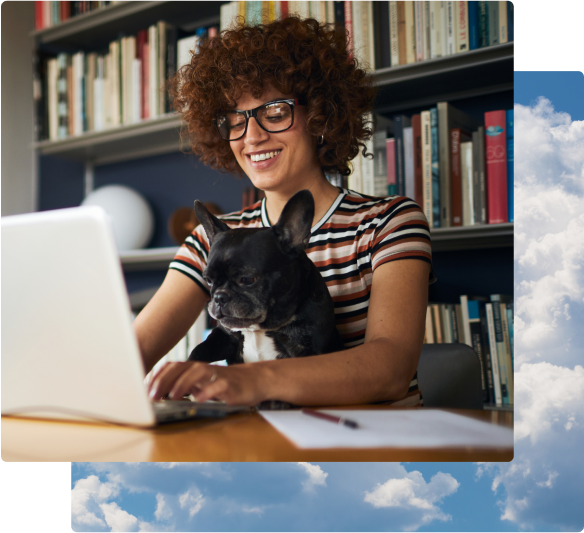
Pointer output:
x,y
253,113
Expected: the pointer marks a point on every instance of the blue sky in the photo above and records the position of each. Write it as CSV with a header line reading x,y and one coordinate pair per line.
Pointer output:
x,y
540,490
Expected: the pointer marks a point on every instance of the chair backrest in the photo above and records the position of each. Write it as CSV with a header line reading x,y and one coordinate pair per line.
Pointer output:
x,y
449,375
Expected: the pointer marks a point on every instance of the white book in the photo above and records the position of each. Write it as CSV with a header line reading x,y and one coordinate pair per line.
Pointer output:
x,y
98,86
368,171
427,166
53,98
330,11
450,24
435,30
444,27
419,25
225,16
466,174
409,161
184,47
493,354
153,71
447,323
78,76
136,90
355,178
116,111
368,32
393,34
162,28
466,335
426,28
461,26
108,93
358,37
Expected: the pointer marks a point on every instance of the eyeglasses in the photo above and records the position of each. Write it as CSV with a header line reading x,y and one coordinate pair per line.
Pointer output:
x,y
273,117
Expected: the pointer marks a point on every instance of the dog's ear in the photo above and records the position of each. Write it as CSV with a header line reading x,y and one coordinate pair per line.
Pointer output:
x,y
293,227
211,224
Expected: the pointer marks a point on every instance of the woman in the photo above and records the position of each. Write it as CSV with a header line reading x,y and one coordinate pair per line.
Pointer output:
x,y
374,253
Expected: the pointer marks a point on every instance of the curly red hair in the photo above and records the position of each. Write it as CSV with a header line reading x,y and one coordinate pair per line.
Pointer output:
x,y
303,58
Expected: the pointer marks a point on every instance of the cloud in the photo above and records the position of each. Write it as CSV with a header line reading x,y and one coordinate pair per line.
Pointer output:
x,y
86,496
192,500
316,476
163,511
542,487
413,493
118,519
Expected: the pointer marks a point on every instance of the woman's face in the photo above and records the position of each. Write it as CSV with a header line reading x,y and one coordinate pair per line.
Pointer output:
x,y
295,166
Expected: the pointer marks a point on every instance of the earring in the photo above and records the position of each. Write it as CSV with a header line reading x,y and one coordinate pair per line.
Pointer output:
x,y
321,140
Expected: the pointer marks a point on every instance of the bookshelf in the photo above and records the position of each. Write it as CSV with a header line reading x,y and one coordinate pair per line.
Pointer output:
x,y
468,259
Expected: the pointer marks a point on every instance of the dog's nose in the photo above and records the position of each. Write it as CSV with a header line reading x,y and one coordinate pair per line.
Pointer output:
x,y
221,297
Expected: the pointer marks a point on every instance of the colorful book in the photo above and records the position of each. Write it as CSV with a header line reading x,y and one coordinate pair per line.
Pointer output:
x,y
496,166
391,177
436,192
410,32
473,25
483,24
418,164
461,42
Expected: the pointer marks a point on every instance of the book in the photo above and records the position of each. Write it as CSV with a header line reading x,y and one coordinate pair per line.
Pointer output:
x,y
510,308
438,324
457,191
493,22
493,355
380,161
508,354
393,33
408,135
348,27
481,342
473,25
436,192
391,177
382,32
427,167
410,32
510,165
483,24
430,337
435,30
419,29
479,178
449,117
504,367
503,28
449,25
418,166
496,166
368,169
62,100
510,21
400,122
466,178
461,43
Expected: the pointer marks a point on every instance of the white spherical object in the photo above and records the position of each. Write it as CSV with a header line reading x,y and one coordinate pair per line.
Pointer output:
x,y
131,216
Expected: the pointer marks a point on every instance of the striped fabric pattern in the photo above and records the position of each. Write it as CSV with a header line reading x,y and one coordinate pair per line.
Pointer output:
x,y
356,235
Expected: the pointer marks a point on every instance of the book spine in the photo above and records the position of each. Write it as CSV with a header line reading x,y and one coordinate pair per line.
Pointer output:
x,y
508,358
368,168
493,18
510,307
380,164
394,33
62,109
391,178
476,344
426,27
450,25
349,27
438,324
483,19
368,32
494,358
467,183
427,165
462,41
510,165
410,32
434,30
482,337
455,178
162,51
409,162
436,193
496,166
479,178
419,30
153,71
339,13
71,95
500,347
473,26
447,323
429,333
381,30
401,32
399,154
89,85
503,29
465,320
418,162
510,21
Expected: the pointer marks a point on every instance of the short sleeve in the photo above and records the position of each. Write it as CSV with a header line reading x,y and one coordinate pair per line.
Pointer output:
x,y
402,232
191,258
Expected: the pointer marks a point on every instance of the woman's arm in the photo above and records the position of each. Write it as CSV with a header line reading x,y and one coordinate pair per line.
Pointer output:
x,y
380,369
168,316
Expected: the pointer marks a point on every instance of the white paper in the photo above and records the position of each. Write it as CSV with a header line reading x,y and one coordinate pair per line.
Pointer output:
x,y
418,428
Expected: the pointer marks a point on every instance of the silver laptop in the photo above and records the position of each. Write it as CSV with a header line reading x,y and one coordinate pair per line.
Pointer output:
x,y
68,347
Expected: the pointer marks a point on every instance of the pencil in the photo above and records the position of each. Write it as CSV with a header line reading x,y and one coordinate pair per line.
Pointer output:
x,y
331,418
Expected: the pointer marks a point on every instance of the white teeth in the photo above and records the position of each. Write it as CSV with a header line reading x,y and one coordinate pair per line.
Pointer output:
x,y
264,156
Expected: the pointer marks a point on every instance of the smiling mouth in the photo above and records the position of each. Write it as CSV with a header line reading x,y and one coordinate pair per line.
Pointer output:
x,y
264,157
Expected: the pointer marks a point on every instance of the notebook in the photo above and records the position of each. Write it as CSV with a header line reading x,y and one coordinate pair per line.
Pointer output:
x,y
68,347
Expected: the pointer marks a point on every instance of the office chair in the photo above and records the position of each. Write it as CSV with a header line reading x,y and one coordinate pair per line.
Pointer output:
x,y
449,376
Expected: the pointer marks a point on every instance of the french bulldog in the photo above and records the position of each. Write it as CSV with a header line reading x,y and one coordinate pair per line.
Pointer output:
x,y
268,297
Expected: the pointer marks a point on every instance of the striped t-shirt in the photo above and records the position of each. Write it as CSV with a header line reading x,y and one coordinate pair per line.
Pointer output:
x,y
356,235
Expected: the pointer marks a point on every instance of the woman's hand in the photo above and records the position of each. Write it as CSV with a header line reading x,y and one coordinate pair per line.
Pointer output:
x,y
235,385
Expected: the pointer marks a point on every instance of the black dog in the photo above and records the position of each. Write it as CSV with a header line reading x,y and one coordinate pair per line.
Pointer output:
x,y
267,296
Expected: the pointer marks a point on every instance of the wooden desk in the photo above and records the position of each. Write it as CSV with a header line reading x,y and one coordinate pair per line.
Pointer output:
x,y
240,437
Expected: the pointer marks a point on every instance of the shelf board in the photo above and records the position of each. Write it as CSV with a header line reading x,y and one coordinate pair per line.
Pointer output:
x,y
123,143
470,74
472,237
460,238
97,28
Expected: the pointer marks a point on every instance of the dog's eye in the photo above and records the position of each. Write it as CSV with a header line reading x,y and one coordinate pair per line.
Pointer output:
x,y
208,281
246,280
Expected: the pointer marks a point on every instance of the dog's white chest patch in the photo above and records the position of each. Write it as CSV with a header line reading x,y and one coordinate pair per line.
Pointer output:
x,y
257,346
